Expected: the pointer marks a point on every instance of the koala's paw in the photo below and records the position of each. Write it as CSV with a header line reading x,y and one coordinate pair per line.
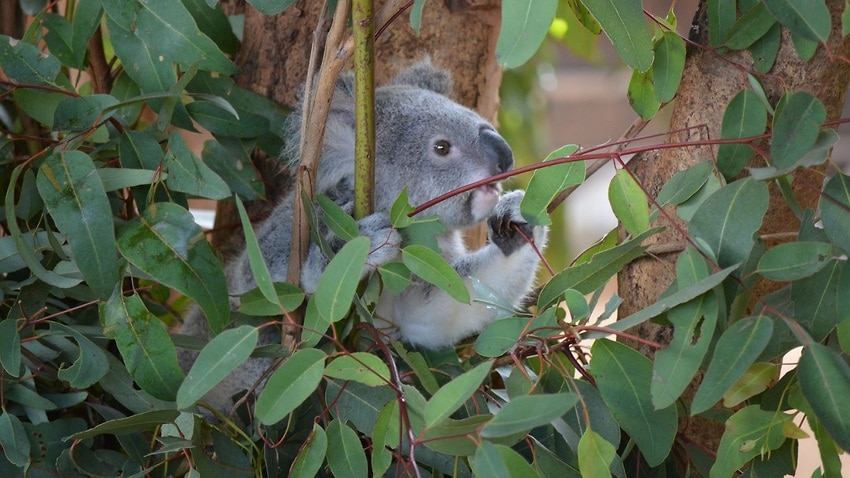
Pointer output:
x,y
386,240
506,220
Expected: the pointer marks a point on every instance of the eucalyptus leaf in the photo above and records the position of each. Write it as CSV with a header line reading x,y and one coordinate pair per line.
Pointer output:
x,y
547,182
624,24
24,63
825,381
668,65
745,117
345,454
289,385
452,395
807,18
431,267
524,26
629,202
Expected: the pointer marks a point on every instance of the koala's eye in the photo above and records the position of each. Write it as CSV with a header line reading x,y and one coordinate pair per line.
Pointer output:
x,y
442,147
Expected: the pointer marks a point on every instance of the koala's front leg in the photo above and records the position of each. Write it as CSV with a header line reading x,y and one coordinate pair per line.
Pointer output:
x,y
385,246
425,315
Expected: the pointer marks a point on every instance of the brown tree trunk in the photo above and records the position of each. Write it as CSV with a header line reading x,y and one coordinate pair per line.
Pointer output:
x,y
710,81
458,35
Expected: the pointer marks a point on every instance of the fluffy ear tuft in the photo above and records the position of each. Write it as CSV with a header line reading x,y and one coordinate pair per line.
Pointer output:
x,y
426,76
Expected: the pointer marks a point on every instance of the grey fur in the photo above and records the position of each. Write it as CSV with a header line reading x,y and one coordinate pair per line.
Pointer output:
x,y
412,115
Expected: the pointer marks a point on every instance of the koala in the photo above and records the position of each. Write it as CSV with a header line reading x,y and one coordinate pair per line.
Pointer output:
x,y
428,145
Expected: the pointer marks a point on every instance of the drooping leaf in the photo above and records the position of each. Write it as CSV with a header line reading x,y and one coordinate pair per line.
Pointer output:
x,y
668,66
431,267
312,454
80,114
230,159
487,461
525,412
749,27
291,384
721,16
114,179
755,380
361,367
808,18
385,434
219,121
737,349
546,183
144,343
595,455
684,184
524,26
122,426
795,260
271,7
395,276
624,24
74,196
727,220
166,244
338,282
623,375
10,353
500,336
254,302
629,202
452,395
188,174
259,268
13,438
744,117
217,359
795,128
345,453
825,381
749,433
641,94
342,224
91,363
835,210
416,15
213,23
765,49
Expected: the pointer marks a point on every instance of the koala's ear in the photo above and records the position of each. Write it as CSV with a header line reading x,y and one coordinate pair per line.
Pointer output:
x,y
426,76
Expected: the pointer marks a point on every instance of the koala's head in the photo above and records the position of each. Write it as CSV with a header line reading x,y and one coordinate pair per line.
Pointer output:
x,y
425,143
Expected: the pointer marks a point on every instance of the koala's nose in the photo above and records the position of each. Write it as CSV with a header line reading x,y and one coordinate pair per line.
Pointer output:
x,y
496,149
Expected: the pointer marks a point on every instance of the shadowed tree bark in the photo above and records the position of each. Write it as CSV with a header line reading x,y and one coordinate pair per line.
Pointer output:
x,y
711,79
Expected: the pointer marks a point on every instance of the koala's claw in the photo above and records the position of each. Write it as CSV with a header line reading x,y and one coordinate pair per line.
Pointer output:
x,y
506,222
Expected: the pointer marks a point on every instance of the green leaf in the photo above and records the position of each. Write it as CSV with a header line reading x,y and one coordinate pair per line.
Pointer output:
x,y
641,94
144,343
338,283
40,105
629,202
361,367
845,19
595,455
400,209
74,196
59,39
165,243
624,24
255,303
217,359
148,70
134,423
765,49
749,27
591,275
737,349
213,23
343,225
816,301
259,268
188,174
312,454
416,15
10,352
487,461
114,179
834,205
87,17
500,336
525,412
452,395
721,16
431,267
795,128
218,121
745,116
13,438
230,159
758,377
80,114
271,7
749,433
395,276
291,384
668,66
728,219
91,364
623,376
684,184
385,433
825,381
24,63
677,363
345,453
808,18
524,26
795,260
546,183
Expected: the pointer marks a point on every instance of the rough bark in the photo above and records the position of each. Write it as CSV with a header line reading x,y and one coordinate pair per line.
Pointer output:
x,y
710,80
459,35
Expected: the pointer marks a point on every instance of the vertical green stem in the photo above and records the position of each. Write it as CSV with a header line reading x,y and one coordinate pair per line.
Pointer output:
x,y
364,107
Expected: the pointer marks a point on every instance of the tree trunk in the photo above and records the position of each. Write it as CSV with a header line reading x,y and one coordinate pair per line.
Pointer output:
x,y
709,82
457,35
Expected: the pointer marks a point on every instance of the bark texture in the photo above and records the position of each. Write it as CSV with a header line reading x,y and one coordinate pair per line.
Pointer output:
x,y
459,35
711,79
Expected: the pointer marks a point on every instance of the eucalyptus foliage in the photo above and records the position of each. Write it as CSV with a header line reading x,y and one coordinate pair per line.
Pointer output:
x,y
99,255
